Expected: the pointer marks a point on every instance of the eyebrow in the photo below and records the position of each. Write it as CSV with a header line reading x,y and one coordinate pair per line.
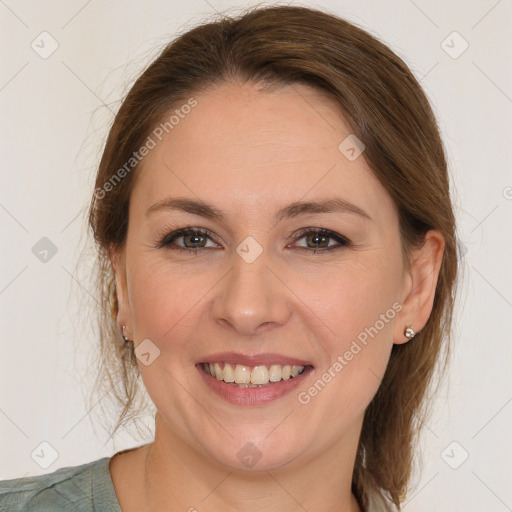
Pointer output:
x,y
293,210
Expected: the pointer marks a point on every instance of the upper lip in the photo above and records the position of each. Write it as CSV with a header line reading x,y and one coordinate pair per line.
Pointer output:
x,y
266,359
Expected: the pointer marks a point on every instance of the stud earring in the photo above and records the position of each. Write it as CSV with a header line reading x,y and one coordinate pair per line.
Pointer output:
x,y
409,333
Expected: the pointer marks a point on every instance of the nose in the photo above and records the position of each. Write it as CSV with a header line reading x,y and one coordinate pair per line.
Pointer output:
x,y
252,297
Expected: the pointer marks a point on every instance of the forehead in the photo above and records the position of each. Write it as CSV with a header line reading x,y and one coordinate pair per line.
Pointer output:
x,y
240,149
242,121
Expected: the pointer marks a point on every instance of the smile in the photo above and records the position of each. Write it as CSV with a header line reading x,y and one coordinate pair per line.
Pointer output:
x,y
244,380
246,376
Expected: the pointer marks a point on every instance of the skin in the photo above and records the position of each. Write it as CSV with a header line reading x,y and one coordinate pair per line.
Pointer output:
x,y
249,154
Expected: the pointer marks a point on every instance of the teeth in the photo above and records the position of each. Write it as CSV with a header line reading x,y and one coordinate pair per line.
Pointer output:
x,y
259,376
296,370
242,374
218,371
274,373
229,373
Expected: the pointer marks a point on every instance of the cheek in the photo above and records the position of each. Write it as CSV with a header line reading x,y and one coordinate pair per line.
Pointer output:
x,y
354,298
167,302
166,308
355,312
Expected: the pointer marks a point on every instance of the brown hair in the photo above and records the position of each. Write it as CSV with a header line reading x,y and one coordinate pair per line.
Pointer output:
x,y
387,111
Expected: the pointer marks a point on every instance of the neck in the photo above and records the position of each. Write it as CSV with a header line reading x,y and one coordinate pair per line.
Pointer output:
x,y
178,477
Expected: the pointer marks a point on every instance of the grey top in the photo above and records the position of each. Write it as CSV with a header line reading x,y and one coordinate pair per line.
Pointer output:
x,y
84,488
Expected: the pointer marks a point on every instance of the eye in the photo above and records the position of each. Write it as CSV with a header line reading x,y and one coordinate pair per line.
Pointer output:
x,y
193,240
318,238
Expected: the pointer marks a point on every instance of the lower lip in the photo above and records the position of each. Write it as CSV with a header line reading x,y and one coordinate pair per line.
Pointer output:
x,y
252,396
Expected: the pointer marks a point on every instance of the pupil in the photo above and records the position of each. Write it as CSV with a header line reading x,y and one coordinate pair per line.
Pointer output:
x,y
316,237
195,238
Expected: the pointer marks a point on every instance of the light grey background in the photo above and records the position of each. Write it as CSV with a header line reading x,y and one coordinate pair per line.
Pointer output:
x,y
55,114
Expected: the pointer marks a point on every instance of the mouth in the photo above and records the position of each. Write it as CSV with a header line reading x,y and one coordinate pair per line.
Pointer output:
x,y
252,380
249,377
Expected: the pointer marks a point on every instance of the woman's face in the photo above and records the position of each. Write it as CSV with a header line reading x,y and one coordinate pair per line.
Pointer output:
x,y
249,288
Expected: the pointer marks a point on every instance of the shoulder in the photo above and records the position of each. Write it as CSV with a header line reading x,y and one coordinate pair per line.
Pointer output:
x,y
81,488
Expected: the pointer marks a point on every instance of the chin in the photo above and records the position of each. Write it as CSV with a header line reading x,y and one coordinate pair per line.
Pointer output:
x,y
257,452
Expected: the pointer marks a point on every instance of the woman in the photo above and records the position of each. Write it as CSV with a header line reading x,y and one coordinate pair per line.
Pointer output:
x,y
277,258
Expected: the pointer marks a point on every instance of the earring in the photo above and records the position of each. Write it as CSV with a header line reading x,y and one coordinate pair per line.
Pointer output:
x,y
126,340
409,333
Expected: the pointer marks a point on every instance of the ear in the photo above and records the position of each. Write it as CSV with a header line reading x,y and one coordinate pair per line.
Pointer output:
x,y
420,286
124,316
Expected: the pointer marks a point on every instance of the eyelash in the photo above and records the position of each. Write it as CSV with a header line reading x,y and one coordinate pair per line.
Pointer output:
x,y
170,237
